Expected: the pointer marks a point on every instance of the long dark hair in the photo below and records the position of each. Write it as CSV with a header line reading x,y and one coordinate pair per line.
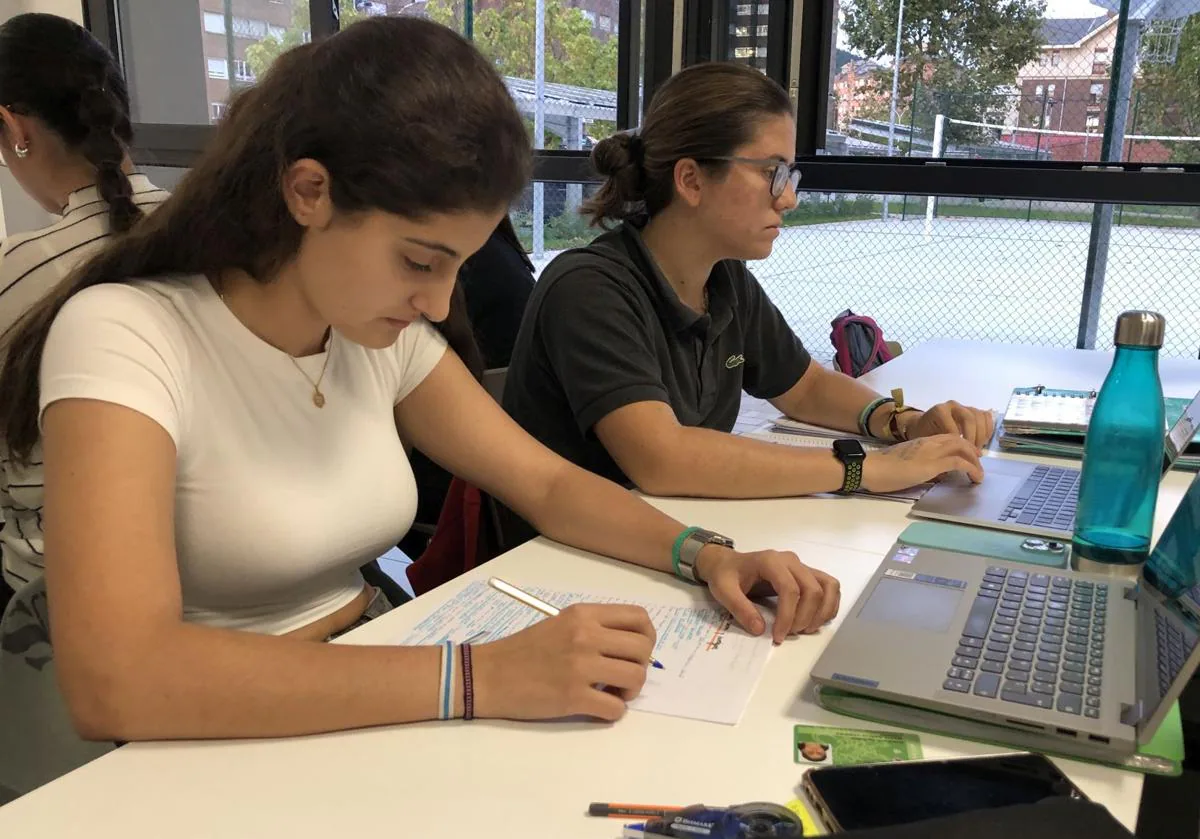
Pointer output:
x,y
704,112
53,69
406,116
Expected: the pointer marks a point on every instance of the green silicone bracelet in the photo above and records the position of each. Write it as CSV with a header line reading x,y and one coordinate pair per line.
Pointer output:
x,y
677,547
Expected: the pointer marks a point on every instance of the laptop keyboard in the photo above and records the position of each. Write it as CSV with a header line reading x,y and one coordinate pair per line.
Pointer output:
x,y
1173,650
1035,640
1046,499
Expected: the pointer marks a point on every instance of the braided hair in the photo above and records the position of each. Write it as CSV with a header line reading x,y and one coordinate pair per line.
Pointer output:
x,y
53,69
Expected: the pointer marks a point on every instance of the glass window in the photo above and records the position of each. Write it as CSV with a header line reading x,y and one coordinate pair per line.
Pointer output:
x,y
579,104
1093,121
988,79
216,110
1024,262
178,54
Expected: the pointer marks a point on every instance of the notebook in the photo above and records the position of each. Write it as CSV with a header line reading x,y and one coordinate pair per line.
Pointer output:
x,y
1048,421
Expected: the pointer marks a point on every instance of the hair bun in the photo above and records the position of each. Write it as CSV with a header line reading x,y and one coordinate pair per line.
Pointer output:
x,y
615,154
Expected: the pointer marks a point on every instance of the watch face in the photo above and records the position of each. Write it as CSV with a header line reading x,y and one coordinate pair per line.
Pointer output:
x,y
848,449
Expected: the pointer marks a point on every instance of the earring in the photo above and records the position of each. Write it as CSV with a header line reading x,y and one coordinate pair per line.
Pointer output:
x,y
22,150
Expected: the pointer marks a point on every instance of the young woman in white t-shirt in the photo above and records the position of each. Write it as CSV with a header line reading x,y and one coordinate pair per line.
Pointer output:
x,y
64,131
222,398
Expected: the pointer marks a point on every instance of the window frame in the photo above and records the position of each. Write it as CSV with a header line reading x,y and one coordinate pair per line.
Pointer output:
x,y
157,144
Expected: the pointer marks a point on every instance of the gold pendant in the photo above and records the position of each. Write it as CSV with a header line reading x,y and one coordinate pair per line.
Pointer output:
x,y
318,398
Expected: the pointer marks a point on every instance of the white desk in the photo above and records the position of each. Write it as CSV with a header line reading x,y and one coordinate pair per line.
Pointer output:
x,y
534,780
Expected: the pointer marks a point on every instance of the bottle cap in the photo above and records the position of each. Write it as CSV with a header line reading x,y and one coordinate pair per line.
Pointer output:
x,y
1140,329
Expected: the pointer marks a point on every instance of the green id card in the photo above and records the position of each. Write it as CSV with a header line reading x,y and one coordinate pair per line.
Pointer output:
x,y
819,745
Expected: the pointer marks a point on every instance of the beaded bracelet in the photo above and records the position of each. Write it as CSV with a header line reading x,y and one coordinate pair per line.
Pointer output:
x,y
468,681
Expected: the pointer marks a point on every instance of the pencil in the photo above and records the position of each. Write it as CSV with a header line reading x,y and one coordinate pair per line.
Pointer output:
x,y
541,605
614,811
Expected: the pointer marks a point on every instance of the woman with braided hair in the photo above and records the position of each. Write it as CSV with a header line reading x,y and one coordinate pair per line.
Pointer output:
x,y
64,135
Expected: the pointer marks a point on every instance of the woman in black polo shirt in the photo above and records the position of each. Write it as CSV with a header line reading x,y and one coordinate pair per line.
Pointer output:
x,y
635,350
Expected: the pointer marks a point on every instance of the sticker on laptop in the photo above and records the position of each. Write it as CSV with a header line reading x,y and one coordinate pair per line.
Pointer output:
x,y
905,554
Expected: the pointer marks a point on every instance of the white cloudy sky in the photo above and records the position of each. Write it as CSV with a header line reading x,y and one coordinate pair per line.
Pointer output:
x,y
1072,8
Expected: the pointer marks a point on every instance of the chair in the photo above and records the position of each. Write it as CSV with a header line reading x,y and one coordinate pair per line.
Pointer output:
x,y
493,382
38,742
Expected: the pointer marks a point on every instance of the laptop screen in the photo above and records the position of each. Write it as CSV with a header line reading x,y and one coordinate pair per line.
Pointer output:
x,y
1174,564
1183,433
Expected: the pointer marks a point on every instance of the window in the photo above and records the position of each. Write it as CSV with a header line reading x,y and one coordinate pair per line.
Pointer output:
x,y
745,10
1096,92
1039,90
167,44
750,52
218,68
1093,121
216,110
1055,58
575,116
1050,90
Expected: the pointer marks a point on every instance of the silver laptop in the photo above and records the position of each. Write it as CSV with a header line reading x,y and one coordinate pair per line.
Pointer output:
x,y
1049,660
1029,497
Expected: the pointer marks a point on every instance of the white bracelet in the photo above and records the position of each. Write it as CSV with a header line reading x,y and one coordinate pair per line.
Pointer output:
x,y
446,683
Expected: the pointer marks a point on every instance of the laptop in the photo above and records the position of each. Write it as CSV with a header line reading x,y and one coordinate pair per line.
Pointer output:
x,y
1059,661
1029,497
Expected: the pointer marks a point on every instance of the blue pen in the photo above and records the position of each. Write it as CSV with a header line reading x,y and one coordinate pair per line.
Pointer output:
x,y
539,604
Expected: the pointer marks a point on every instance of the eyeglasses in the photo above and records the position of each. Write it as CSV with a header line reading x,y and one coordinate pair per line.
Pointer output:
x,y
781,173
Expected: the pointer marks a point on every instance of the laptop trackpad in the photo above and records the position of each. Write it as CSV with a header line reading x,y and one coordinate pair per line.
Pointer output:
x,y
956,495
912,605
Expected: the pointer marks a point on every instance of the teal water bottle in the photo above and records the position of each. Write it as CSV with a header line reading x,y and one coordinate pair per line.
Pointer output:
x,y
1123,454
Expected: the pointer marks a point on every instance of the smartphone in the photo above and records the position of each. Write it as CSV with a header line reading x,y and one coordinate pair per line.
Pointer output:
x,y
884,794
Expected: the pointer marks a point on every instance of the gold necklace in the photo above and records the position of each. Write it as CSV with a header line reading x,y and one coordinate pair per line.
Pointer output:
x,y
318,398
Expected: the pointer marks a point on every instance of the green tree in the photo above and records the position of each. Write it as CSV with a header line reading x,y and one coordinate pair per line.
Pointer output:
x,y
505,35
963,54
260,56
573,55
1170,96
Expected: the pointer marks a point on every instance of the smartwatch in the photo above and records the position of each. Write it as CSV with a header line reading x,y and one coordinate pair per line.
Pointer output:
x,y
852,455
694,541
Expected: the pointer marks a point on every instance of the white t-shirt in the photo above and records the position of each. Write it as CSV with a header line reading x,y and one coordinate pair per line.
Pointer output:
x,y
277,502
31,265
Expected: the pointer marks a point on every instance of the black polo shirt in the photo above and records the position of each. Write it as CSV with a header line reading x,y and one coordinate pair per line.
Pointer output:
x,y
604,329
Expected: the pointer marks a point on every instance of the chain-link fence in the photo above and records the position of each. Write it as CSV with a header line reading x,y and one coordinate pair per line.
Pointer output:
x,y
980,269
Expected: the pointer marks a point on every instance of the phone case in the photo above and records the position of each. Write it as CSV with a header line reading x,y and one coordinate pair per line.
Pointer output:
x,y
980,541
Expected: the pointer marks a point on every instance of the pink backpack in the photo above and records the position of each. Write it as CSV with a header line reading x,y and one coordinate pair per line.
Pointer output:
x,y
858,344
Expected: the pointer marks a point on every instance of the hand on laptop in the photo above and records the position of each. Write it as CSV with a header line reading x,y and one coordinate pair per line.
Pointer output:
x,y
917,461
972,424
807,598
